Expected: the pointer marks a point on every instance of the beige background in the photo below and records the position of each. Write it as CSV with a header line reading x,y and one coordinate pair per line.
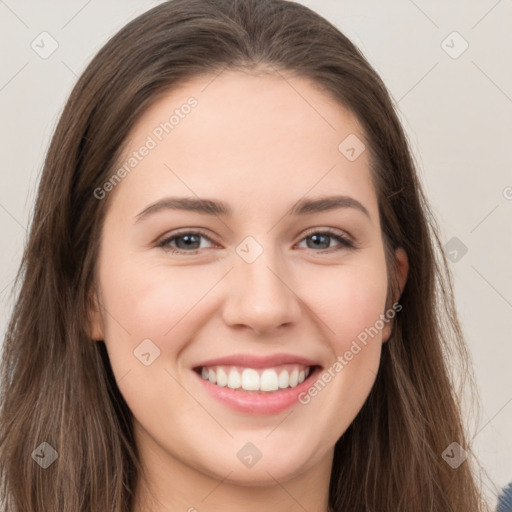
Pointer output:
x,y
456,107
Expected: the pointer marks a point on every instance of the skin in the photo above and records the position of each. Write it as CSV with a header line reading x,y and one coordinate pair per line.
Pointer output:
x,y
296,297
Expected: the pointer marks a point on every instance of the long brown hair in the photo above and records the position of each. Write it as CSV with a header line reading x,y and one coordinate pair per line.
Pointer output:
x,y
57,384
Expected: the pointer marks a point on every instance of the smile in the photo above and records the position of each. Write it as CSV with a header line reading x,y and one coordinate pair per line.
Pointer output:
x,y
257,391
266,380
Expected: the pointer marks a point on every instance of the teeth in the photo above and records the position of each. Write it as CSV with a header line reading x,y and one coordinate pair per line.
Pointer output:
x,y
249,379
222,378
234,381
283,379
269,381
294,378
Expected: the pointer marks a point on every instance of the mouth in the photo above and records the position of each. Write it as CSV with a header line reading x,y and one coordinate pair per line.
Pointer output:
x,y
260,381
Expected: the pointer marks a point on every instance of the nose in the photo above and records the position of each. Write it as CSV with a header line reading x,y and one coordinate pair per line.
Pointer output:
x,y
260,295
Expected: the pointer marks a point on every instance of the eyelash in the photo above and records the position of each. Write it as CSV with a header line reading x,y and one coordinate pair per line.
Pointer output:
x,y
345,242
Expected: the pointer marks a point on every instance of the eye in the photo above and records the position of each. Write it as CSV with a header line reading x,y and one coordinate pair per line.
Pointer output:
x,y
186,242
321,238
190,241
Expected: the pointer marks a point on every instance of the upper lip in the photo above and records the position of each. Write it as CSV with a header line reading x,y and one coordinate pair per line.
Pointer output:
x,y
253,361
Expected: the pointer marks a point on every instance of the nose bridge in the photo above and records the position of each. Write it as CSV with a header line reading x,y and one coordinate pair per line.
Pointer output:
x,y
261,298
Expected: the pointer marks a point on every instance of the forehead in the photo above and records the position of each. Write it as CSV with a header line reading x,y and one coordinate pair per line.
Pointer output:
x,y
244,135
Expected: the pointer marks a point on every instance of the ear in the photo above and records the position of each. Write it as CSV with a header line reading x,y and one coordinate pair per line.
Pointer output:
x,y
402,270
95,327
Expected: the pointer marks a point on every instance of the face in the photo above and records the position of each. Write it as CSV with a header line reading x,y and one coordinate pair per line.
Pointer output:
x,y
271,288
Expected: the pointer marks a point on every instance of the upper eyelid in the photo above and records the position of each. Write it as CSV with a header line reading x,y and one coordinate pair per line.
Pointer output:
x,y
200,231
329,231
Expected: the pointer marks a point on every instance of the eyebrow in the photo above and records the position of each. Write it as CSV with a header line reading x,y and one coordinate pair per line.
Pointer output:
x,y
220,208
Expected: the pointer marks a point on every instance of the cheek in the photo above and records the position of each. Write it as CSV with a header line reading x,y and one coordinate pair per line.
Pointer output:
x,y
150,300
150,319
350,305
349,301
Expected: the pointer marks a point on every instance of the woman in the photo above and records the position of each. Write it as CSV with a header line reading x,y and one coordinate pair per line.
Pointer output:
x,y
255,371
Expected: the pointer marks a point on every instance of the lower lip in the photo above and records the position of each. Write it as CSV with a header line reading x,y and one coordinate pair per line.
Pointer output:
x,y
256,403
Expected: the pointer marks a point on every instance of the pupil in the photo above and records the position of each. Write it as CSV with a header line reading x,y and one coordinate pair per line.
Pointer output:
x,y
187,239
316,237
